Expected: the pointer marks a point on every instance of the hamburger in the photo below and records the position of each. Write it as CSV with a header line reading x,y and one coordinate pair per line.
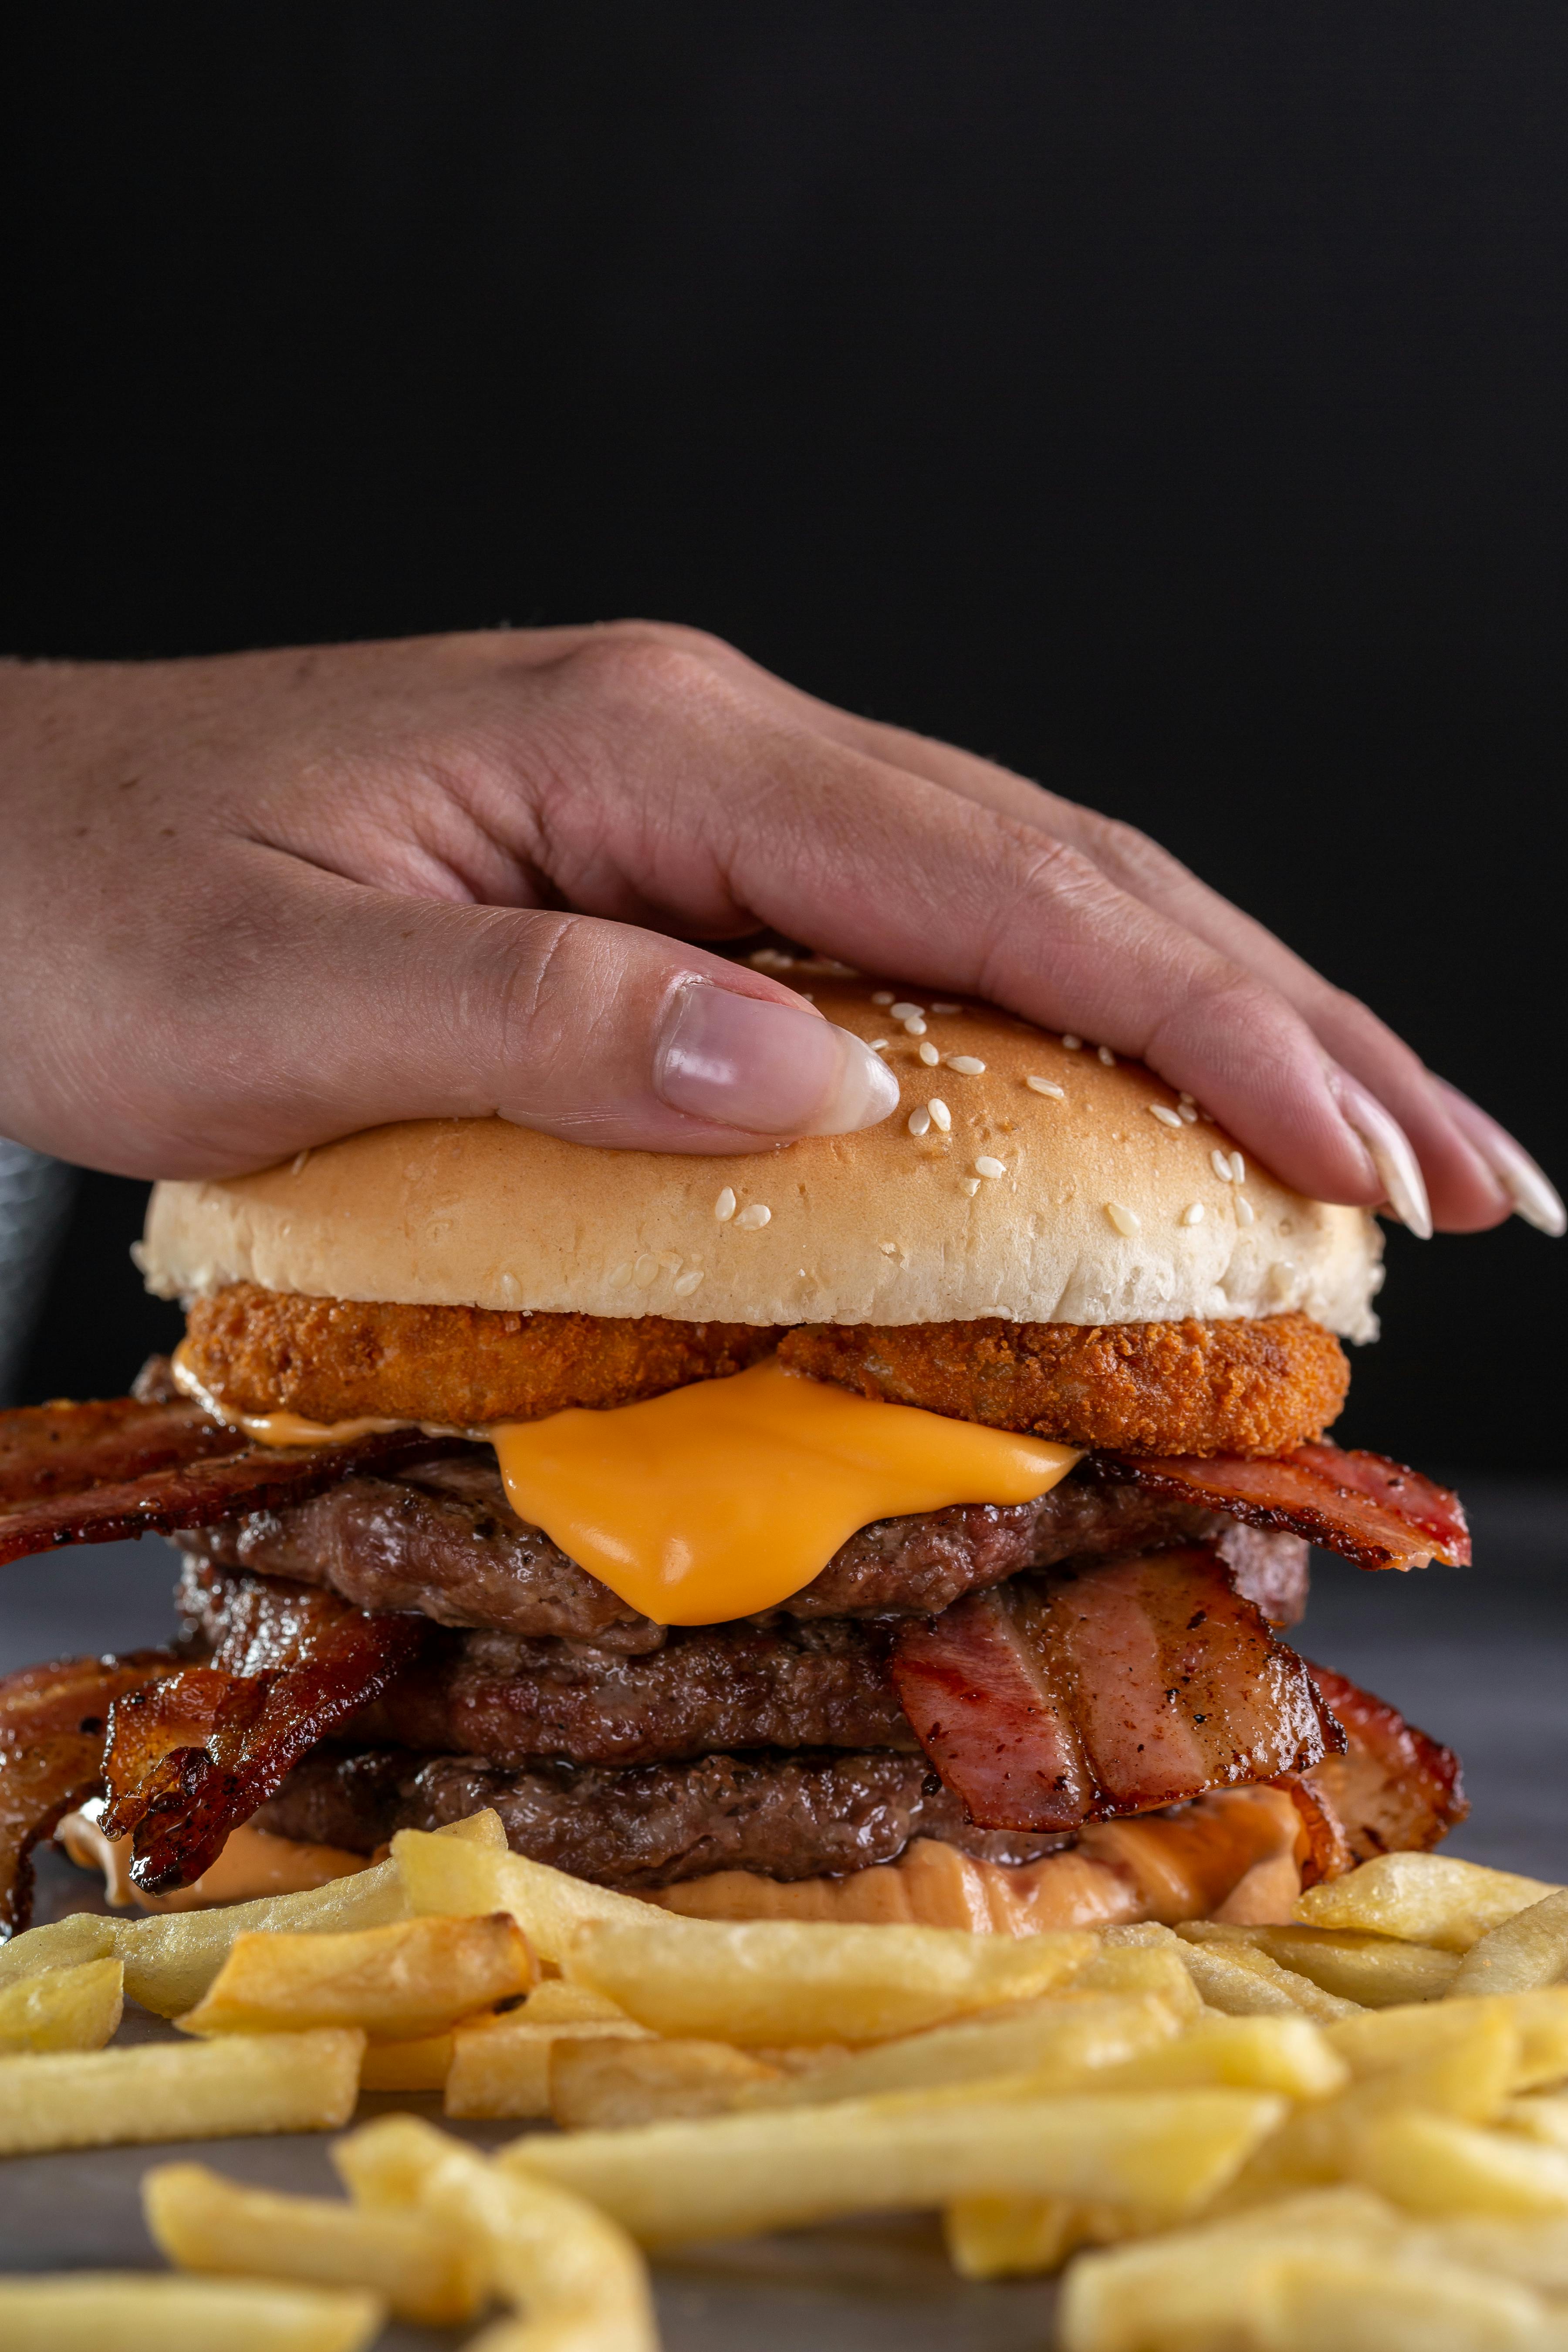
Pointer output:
x,y
897,1526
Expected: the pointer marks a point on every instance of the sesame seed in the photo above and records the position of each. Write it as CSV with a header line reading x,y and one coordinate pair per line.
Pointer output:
x,y
622,1275
986,1166
1238,1169
1186,1096
915,1026
889,1249
920,1120
941,1116
929,1055
907,1011
724,1206
297,1165
688,1283
645,1271
1072,1043
1107,1056
1166,1117
1189,1112
966,1065
972,1185
1126,1221
880,1044
883,996
1242,1209
1195,1215
753,1217
1045,1086
947,1008
1221,1166
671,1261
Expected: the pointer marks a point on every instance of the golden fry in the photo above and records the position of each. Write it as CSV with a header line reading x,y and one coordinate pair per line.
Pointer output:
x,y
1380,2038
1373,1971
132,2311
501,2066
423,2270
774,1981
612,2084
421,2065
62,2009
59,1944
1244,1982
1025,2237
735,2174
1434,2164
201,2090
1249,2054
1523,1954
547,1904
1427,1898
396,1983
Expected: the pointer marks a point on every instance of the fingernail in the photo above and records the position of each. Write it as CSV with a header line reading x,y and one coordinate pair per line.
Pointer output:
x,y
767,1068
1534,1196
1398,1169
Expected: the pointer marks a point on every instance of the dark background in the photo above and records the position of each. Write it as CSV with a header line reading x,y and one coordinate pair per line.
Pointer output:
x,y
1165,399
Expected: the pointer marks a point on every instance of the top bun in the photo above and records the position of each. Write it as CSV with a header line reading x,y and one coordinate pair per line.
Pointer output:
x,y
1103,1211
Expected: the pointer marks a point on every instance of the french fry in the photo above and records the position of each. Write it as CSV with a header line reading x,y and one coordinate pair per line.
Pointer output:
x,y
611,2083
1434,2164
172,1957
422,2066
774,1981
1535,2252
1144,1968
1249,2054
130,2311
1524,1953
548,1905
1165,2152
1245,1982
1025,2237
203,2090
1382,2039
579,2277
424,2269
1373,1971
396,1983
501,2066
1052,2046
1335,2301
63,2008
1539,2117
59,1944
556,2002
1427,1898
1468,2079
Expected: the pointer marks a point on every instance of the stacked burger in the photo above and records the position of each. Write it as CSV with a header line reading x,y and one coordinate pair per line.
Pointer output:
x,y
897,1526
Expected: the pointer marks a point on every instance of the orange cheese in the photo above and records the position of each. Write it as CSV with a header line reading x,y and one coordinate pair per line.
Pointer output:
x,y
727,1496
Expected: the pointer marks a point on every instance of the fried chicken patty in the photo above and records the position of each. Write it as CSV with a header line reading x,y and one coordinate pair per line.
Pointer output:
x,y
1259,1387
1242,1387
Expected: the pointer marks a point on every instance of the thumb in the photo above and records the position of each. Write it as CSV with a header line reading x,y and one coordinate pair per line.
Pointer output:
x,y
595,1031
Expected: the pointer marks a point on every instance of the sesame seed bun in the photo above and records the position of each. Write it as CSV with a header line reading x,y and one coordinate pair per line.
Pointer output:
x,y
1090,1196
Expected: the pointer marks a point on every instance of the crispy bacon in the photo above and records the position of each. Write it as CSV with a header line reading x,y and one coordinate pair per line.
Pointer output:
x,y
95,1472
1051,1701
52,1725
1394,1790
1373,1510
190,1757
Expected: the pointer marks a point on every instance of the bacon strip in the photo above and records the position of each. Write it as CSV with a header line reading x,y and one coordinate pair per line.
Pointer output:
x,y
1394,1790
1374,1511
96,1473
1049,1702
190,1757
52,1723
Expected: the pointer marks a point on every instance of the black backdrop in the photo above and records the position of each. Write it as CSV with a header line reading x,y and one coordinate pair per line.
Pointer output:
x,y
1165,398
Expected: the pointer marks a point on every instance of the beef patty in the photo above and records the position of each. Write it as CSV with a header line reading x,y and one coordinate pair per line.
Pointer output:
x,y
791,1816
442,1539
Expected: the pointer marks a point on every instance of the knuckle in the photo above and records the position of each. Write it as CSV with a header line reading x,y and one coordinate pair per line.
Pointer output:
x,y
647,670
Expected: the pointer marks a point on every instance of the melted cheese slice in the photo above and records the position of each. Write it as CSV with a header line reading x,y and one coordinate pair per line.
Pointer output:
x,y
727,1496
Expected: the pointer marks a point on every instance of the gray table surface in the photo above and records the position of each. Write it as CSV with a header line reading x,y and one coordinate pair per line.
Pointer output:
x,y
1479,1657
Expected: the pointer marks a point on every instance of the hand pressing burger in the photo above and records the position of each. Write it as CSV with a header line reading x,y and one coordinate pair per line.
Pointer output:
x,y
314,891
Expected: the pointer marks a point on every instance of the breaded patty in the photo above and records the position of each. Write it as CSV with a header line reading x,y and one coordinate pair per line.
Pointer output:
x,y
340,1359
1130,1388
1142,1388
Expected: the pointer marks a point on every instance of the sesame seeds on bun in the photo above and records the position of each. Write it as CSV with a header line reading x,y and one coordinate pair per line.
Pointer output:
x,y
1023,1176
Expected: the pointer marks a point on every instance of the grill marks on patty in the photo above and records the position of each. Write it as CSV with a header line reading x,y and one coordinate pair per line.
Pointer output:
x,y
442,1539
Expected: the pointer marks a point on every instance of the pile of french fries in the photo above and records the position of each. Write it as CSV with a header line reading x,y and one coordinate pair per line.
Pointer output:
x,y
1345,2135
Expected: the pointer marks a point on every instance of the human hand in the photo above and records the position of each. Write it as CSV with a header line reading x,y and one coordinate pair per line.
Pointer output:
x,y
258,901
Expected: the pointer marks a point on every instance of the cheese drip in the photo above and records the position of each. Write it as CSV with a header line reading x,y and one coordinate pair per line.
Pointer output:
x,y
726,1498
